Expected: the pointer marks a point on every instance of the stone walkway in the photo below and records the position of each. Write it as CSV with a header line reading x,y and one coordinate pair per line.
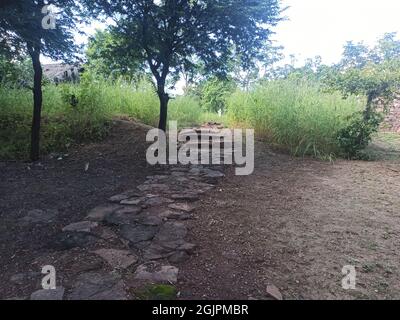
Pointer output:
x,y
139,234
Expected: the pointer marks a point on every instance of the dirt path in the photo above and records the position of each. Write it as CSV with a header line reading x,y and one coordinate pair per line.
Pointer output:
x,y
295,223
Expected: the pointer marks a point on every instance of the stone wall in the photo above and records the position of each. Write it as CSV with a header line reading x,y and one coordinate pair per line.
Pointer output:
x,y
392,121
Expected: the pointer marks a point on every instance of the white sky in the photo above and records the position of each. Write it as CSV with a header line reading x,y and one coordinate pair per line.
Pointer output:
x,y
321,27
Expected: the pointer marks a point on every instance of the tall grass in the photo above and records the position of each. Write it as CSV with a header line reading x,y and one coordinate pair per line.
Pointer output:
x,y
77,113
296,116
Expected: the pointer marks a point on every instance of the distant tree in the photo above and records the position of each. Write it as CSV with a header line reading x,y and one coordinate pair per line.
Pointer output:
x,y
171,34
355,55
246,77
104,58
379,83
388,48
27,27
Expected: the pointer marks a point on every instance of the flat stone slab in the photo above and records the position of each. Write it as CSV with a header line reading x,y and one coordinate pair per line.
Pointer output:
x,y
132,201
165,274
68,240
157,201
37,216
98,286
100,212
138,233
82,226
153,186
51,294
183,206
174,214
186,196
121,218
118,259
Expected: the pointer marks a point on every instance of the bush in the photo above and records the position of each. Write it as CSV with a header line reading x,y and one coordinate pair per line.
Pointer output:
x,y
293,115
75,113
356,136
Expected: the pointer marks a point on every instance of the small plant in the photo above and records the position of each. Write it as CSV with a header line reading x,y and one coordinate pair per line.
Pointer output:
x,y
158,292
356,136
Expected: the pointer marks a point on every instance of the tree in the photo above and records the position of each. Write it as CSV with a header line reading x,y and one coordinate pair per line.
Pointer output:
x,y
170,34
104,59
29,27
355,55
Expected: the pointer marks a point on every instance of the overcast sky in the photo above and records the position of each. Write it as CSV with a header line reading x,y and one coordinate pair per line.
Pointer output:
x,y
321,27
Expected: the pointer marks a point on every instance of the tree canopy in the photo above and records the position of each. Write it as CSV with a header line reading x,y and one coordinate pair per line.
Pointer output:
x,y
30,27
171,34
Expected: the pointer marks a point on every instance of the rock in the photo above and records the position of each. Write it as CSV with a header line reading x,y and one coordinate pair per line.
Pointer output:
x,y
187,247
39,217
153,186
107,234
118,259
209,173
82,226
157,201
171,235
127,194
148,219
174,215
131,201
122,217
155,252
182,206
68,240
166,274
138,233
129,210
171,231
99,213
98,286
51,294
178,257
274,292
186,196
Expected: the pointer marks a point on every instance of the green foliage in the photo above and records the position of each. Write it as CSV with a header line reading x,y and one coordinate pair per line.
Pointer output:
x,y
104,58
95,102
186,110
214,94
158,292
356,136
294,115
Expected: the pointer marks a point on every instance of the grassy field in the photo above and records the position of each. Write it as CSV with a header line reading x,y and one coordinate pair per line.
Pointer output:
x,y
296,116
79,113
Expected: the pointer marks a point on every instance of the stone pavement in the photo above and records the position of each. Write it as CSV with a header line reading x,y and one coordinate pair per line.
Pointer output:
x,y
140,234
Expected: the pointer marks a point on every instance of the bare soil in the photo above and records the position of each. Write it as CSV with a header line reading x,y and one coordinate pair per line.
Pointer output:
x,y
115,165
294,223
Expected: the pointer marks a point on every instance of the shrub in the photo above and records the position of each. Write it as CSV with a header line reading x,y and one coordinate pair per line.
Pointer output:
x,y
358,134
293,115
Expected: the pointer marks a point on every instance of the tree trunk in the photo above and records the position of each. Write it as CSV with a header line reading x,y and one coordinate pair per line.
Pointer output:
x,y
164,99
368,109
37,103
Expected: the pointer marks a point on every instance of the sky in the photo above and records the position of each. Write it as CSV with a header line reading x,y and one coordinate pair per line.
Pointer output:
x,y
321,27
